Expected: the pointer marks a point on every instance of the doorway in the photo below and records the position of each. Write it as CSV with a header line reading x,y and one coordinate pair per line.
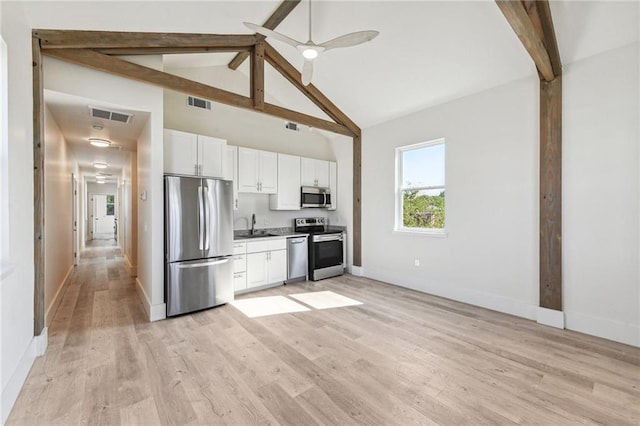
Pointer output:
x,y
104,208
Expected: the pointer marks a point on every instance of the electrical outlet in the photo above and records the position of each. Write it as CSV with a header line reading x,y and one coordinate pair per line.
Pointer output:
x,y
266,221
416,262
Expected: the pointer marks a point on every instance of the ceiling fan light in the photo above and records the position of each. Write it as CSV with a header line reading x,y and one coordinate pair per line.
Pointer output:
x,y
101,143
310,53
100,165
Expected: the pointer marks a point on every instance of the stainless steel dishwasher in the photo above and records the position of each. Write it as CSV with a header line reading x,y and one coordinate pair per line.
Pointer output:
x,y
297,259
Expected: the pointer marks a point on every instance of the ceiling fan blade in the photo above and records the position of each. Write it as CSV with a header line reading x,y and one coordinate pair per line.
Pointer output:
x,y
269,33
307,72
350,39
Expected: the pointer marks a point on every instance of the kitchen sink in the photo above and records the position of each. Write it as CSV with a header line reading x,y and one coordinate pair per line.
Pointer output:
x,y
256,235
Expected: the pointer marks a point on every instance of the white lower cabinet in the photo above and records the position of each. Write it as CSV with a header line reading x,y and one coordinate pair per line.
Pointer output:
x,y
266,262
239,266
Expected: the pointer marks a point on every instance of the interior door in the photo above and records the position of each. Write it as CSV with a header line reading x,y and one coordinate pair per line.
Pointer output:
x,y
103,216
74,217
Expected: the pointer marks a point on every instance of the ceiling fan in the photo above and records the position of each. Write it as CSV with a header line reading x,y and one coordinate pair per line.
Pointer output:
x,y
310,50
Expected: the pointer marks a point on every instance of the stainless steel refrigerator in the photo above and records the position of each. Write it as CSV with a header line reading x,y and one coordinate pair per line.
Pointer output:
x,y
198,243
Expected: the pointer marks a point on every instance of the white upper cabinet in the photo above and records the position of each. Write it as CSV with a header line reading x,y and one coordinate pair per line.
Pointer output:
x,y
180,153
193,155
211,156
314,172
257,171
231,171
333,184
287,196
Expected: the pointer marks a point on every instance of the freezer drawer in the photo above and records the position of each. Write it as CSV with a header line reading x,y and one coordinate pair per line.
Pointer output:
x,y
198,284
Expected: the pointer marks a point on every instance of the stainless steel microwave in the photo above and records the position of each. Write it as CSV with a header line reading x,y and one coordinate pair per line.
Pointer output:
x,y
312,196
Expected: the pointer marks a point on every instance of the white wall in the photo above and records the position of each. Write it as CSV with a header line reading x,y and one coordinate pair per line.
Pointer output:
x,y
17,288
600,195
58,214
129,216
490,256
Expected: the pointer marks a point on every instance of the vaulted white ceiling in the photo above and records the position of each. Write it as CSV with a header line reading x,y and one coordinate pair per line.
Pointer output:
x,y
428,52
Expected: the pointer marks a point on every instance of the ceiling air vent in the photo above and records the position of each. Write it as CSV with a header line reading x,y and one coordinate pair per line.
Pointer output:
x,y
198,103
121,117
292,126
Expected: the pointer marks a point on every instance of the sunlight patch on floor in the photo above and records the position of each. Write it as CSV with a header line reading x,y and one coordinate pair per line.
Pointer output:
x,y
263,306
324,299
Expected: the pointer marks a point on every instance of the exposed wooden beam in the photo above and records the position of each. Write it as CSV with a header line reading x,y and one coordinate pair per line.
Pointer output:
x,y
551,194
271,23
73,39
112,65
257,75
169,50
357,201
289,72
307,120
517,17
549,35
38,188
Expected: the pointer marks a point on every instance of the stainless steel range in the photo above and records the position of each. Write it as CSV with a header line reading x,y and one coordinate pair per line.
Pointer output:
x,y
326,248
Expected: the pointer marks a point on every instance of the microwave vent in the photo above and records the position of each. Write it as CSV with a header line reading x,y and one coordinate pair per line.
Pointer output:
x,y
198,103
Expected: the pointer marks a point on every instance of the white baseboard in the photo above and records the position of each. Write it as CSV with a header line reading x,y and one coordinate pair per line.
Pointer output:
x,y
494,302
132,269
550,317
154,312
55,303
36,347
357,270
618,331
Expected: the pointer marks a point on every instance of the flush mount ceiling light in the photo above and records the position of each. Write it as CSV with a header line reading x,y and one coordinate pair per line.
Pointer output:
x,y
102,143
100,165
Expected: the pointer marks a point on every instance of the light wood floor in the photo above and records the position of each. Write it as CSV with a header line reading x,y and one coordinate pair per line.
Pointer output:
x,y
401,358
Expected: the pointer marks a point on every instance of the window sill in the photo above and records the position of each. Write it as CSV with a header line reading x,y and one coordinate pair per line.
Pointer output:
x,y
424,232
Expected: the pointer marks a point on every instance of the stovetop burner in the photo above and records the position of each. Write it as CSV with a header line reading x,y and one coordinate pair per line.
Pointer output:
x,y
312,225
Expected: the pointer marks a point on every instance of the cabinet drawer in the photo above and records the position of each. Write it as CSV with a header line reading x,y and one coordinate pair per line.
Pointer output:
x,y
239,248
279,244
257,246
239,281
239,263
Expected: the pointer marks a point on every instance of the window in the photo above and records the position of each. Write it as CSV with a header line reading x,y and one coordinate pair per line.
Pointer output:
x,y
420,187
111,205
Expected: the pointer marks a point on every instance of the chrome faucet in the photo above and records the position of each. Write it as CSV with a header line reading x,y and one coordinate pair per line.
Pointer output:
x,y
253,223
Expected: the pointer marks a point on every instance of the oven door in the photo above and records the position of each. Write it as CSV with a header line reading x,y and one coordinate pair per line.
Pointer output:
x,y
326,251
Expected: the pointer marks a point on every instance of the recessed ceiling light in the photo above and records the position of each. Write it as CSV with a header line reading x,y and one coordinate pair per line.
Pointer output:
x,y
98,126
100,182
100,165
102,143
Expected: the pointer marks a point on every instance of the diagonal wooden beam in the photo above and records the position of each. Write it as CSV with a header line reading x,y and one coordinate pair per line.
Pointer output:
x,y
540,12
122,68
73,39
271,23
112,65
519,20
289,72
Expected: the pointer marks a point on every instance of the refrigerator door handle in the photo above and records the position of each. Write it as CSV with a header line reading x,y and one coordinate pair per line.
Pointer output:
x,y
207,212
200,219
201,264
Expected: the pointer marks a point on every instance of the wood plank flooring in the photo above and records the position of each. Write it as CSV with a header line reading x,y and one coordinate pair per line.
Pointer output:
x,y
400,358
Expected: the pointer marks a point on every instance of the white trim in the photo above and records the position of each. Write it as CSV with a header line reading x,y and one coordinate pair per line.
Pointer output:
x,y
132,270
423,232
550,317
618,331
357,270
55,303
36,347
153,312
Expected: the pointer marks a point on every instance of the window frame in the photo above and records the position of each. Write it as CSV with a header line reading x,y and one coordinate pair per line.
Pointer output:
x,y
400,189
